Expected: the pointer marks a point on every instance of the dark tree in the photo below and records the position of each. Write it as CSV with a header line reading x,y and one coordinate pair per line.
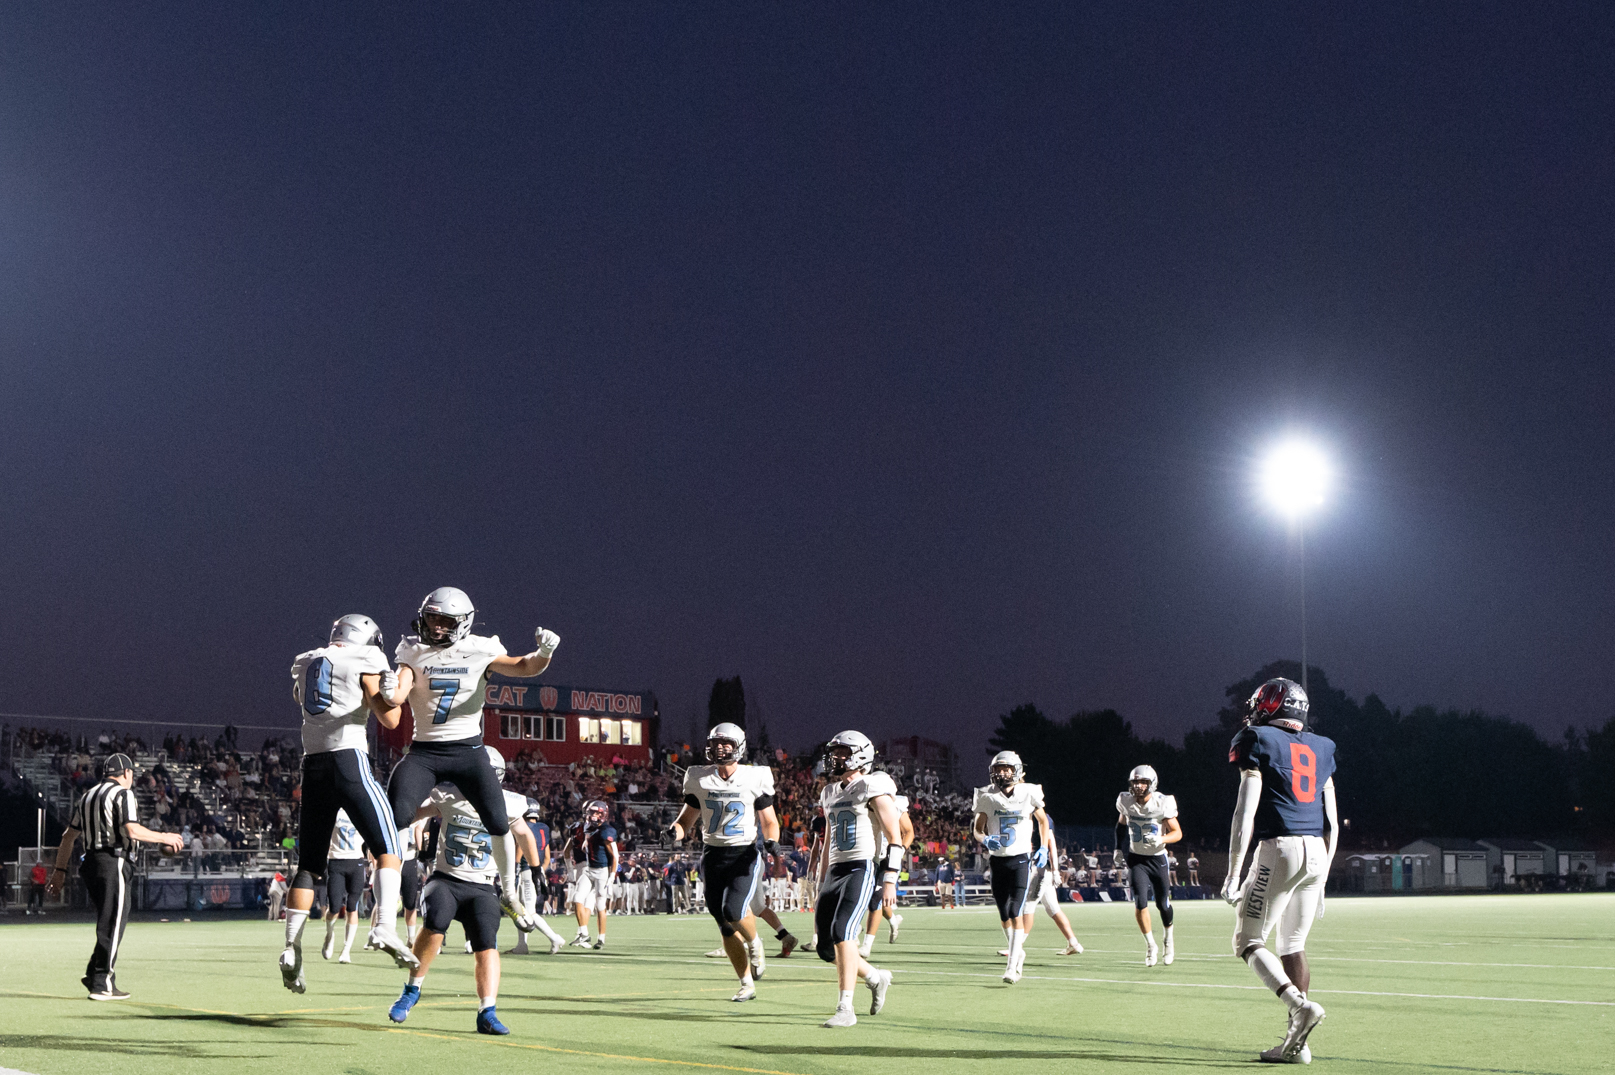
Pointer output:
x,y
727,703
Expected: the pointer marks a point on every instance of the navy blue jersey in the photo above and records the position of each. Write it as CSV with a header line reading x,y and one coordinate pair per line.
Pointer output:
x,y
595,845
541,836
1294,767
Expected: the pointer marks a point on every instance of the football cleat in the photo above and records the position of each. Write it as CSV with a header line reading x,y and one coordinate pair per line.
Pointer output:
x,y
556,944
521,948
878,983
330,946
717,953
746,993
111,992
406,1000
842,1017
1072,949
787,945
1302,1020
1011,975
1275,1055
488,1022
580,941
1167,954
1003,951
345,957
517,914
291,970
1150,951
754,952
599,942
897,921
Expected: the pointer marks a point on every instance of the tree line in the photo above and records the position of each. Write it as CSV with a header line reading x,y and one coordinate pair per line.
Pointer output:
x,y
1402,775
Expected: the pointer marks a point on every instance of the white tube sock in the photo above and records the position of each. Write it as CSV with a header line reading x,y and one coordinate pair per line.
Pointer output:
x,y
1271,971
386,887
1017,939
295,921
504,858
347,940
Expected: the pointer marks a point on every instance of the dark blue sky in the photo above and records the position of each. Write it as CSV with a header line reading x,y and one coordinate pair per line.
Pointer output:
x,y
908,362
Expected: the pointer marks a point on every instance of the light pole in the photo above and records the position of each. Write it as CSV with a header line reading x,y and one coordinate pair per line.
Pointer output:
x,y
1294,477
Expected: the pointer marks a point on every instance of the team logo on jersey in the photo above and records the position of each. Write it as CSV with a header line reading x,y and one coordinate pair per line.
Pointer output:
x,y
460,671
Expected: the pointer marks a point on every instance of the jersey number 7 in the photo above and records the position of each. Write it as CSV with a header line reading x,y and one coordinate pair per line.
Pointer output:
x,y
445,701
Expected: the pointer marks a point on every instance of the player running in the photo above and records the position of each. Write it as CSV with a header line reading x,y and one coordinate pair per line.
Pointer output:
x,y
442,670
593,844
877,905
1006,812
461,889
1146,823
531,881
1287,804
855,801
344,885
735,805
337,687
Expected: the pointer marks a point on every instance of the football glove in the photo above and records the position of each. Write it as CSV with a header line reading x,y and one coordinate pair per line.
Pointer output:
x,y
389,684
1230,888
771,847
994,843
1040,857
546,641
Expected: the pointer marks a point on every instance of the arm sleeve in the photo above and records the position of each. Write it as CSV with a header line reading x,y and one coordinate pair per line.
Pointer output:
x,y
692,802
1123,843
762,802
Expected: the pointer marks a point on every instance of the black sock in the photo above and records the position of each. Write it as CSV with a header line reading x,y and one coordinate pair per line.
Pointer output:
x,y
782,934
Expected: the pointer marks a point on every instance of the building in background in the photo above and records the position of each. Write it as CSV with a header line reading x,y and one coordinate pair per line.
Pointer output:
x,y
915,756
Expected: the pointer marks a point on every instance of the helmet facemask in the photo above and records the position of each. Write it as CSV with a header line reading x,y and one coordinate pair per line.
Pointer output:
x,y
1003,777
723,751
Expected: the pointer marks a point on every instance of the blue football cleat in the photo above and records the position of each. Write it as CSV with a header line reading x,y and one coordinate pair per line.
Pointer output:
x,y
488,1023
406,1000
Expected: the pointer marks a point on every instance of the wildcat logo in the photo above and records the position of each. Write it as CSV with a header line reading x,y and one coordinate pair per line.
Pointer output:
x,y
547,697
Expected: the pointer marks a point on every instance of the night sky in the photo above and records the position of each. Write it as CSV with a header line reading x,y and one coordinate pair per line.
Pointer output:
x,y
909,362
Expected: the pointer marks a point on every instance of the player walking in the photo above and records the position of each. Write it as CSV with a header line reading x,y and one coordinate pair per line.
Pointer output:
x,y
1146,823
531,881
1007,809
337,687
1287,804
877,904
854,801
1043,888
461,889
344,883
442,670
593,843
735,806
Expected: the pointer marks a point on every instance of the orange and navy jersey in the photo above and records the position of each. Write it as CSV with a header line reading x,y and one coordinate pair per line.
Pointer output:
x,y
1294,767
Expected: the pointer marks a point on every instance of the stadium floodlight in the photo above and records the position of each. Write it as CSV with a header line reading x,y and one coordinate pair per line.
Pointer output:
x,y
1294,478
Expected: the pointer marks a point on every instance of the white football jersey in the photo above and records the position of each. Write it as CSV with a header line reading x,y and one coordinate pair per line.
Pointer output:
x,y
1144,820
345,841
446,700
880,837
464,848
849,825
728,807
325,682
1009,815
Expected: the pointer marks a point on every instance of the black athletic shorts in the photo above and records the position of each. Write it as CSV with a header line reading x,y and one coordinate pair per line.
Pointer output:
x,y
1012,876
731,876
474,906
843,897
344,884
1150,881
461,762
340,780
409,884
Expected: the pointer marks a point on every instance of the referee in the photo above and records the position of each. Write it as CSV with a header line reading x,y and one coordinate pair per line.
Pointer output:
x,y
105,817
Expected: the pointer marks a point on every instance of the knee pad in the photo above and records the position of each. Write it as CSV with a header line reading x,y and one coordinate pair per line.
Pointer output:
x,y
1244,951
304,879
826,949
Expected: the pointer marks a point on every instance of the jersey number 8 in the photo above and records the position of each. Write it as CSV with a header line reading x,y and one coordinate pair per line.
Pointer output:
x,y
1303,772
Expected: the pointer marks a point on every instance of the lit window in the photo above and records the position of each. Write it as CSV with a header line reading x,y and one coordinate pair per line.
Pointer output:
x,y
588,730
608,731
631,732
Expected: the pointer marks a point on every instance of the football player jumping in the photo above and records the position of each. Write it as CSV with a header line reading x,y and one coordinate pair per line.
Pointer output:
x,y
735,805
461,888
1006,811
854,800
337,687
1287,804
442,669
1146,823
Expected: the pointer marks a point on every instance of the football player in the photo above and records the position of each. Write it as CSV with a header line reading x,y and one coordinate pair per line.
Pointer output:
x,y
855,801
442,670
1007,810
337,687
1044,888
593,843
461,888
1146,822
735,806
1287,805
532,883
877,908
345,882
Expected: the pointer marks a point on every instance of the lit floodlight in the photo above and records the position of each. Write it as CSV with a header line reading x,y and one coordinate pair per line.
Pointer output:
x,y
1294,478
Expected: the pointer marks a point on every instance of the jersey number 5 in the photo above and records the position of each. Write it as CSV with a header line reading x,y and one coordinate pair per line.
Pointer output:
x,y
1303,772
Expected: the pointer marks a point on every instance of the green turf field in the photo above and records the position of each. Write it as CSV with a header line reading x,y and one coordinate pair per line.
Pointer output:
x,y
1452,984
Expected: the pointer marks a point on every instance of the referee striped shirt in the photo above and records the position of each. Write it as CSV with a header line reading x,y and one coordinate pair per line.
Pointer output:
x,y
101,815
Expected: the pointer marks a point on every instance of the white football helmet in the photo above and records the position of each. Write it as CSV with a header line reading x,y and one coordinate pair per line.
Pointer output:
x,y
1013,761
732,734
355,630
497,760
1143,772
863,753
444,603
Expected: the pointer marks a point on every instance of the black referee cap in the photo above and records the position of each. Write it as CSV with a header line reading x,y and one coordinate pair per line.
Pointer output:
x,y
117,763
